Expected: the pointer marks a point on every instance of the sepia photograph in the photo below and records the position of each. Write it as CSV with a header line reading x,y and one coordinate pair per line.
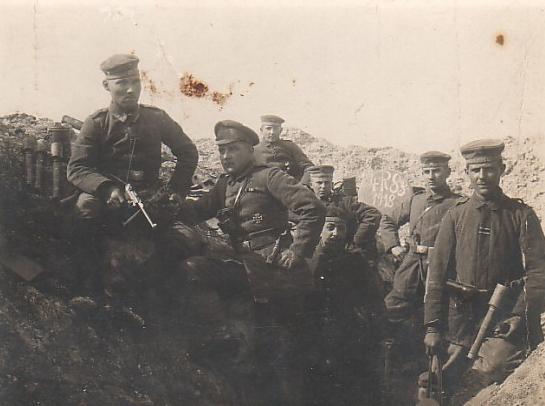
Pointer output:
x,y
272,203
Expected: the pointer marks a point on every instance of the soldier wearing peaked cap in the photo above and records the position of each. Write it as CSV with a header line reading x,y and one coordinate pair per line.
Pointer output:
x,y
122,144
484,240
283,154
251,202
366,218
423,210
124,140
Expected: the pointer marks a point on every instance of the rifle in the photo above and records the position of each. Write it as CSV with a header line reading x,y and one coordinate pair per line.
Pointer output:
x,y
493,304
433,398
467,292
134,200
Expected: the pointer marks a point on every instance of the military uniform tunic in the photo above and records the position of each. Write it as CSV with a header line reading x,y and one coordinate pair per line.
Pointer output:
x,y
111,143
283,154
424,212
514,248
265,196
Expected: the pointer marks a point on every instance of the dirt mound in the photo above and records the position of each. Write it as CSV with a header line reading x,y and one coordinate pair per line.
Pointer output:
x,y
524,158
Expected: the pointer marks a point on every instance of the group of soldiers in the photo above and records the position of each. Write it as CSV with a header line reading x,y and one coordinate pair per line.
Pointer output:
x,y
299,248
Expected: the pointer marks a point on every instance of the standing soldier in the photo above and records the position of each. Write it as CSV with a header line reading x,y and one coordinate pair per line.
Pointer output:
x,y
283,154
251,203
424,211
366,218
484,240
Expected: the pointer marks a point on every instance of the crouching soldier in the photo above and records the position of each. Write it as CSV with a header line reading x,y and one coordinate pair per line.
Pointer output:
x,y
485,241
251,203
349,300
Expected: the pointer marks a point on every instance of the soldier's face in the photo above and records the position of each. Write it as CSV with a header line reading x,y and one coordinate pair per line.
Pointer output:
x,y
333,233
436,177
321,187
485,177
125,92
235,156
270,132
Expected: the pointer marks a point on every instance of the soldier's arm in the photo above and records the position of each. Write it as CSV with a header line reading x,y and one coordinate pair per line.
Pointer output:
x,y
368,219
206,207
84,160
532,243
442,260
304,203
185,151
299,156
389,225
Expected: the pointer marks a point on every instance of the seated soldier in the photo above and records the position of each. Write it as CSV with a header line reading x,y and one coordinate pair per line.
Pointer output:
x,y
367,218
251,203
350,304
121,145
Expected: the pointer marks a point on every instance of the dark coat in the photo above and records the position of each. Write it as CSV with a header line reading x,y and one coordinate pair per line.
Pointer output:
x,y
516,249
283,154
104,148
267,195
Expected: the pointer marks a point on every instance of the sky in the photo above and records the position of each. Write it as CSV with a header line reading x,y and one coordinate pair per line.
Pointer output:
x,y
416,75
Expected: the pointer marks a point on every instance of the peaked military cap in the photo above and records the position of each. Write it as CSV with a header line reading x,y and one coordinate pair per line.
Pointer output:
x,y
120,66
271,119
434,158
228,131
482,151
321,172
349,186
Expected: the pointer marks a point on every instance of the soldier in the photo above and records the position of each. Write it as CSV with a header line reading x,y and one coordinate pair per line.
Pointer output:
x,y
350,303
423,210
484,240
122,143
283,154
366,218
251,202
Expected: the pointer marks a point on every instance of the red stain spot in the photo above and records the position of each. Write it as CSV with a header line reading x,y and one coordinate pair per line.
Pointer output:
x,y
192,87
500,39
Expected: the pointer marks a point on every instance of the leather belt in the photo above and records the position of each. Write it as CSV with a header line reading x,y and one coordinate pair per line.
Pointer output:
x,y
420,249
261,239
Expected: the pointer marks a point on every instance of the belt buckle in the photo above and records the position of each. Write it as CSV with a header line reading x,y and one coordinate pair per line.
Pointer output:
x,y
421,249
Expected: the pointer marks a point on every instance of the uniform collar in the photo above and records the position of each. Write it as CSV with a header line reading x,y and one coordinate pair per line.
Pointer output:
x,y
438,195
249,169
494,203
122,116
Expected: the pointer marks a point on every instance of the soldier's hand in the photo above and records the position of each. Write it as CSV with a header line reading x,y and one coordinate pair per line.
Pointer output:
x,y
508,327
398,252
454,352
290,260
432,341
114,197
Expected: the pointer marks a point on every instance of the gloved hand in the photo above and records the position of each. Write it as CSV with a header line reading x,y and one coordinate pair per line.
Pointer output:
x,y
508,327
290,260
432,341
